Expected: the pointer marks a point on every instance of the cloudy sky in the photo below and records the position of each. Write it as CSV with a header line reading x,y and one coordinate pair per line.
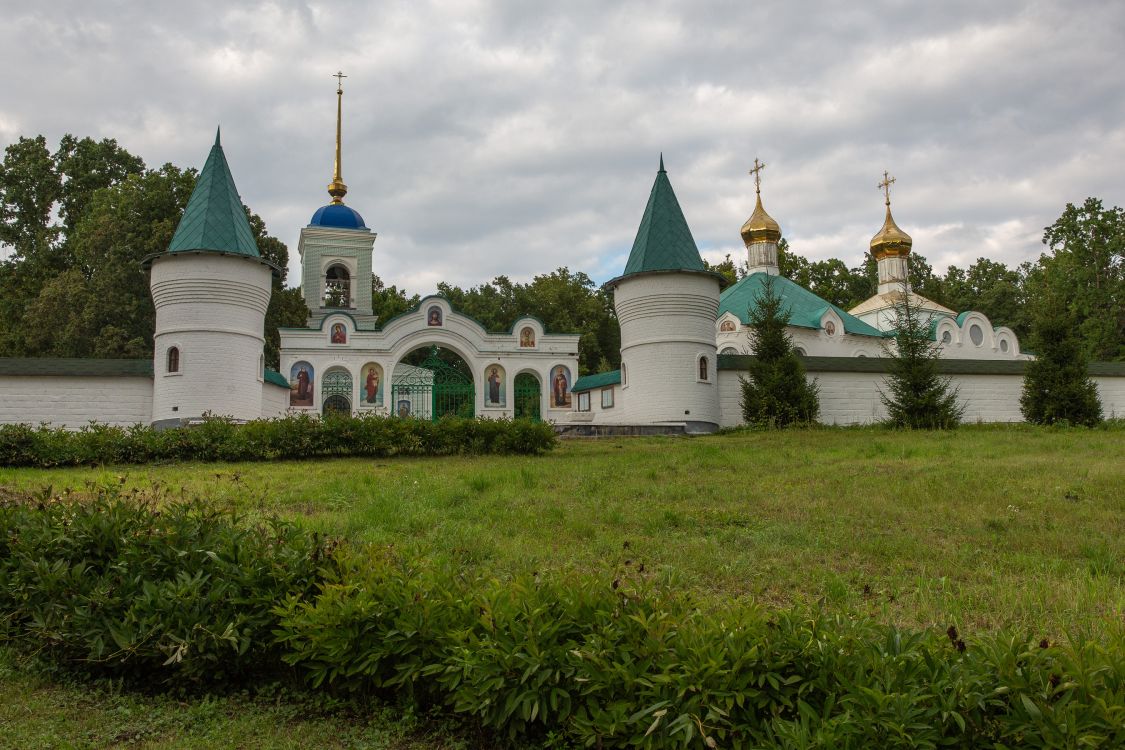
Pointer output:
x,y
483,138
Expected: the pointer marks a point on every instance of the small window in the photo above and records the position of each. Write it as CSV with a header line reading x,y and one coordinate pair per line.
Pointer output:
x,y
976,334
1003,345
946,337
624,380
174,359
703,368
729,351
584,401
798,351
607,398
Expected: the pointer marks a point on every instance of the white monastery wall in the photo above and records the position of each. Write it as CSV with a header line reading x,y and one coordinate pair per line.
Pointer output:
x,y
74,401
1111,391
853,397
275,400
212,308
667,324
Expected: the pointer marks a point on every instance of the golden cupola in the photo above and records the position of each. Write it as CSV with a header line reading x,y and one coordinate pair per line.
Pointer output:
x,y
760,227
890,241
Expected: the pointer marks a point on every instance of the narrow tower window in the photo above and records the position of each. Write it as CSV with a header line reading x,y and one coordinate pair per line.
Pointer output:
x,y
702,368
173,359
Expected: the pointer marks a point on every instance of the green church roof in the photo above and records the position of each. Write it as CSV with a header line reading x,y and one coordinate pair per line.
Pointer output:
x,y
600,380
664,241
214,219
805,308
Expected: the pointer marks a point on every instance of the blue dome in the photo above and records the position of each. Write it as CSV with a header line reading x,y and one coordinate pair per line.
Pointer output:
x,y
337,215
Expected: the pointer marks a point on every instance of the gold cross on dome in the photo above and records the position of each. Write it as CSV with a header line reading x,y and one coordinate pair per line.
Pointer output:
x,y
756,171
339,76
885,186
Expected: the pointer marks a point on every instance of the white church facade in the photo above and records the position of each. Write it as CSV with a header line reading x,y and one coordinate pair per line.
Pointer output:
x,y
683,337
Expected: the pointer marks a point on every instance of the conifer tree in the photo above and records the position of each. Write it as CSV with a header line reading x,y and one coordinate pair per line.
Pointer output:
x,y
915,395
775,393
1056,385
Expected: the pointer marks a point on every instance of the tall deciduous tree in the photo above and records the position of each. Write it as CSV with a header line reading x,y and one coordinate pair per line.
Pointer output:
x,y
1087,269
915,395
1056,385
775,391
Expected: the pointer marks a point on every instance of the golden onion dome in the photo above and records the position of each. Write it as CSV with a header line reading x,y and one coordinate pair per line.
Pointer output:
x,y
760,227
890,240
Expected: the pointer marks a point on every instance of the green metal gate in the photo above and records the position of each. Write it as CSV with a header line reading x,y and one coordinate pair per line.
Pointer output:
x,y
433,390
529,396
336,393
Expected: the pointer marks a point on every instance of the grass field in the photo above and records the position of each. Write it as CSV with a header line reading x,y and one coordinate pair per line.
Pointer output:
x,y
985,527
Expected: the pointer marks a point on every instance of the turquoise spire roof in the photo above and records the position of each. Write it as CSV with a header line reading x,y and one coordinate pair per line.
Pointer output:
x,y
214,219
664,242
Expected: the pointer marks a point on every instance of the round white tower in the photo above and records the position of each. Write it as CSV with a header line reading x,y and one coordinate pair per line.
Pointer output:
x,y
667,303
211,290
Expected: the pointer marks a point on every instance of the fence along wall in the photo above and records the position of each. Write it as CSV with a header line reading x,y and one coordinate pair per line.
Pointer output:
x,y
850,386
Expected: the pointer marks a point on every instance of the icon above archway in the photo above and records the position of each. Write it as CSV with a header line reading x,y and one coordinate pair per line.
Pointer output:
x,y
433,316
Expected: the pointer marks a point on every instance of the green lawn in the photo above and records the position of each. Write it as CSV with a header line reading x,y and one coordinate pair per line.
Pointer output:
x,y
984,527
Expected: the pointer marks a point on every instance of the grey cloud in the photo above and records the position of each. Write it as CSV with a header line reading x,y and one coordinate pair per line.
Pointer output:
x,y
511,137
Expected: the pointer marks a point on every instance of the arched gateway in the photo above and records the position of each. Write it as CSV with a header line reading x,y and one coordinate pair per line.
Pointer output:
x,y
503,377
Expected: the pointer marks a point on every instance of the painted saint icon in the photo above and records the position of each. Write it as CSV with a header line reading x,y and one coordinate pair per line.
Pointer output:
x,y
372,384
495,386
339,334
301,384
560,388
726,326
433,316
527,337
404,408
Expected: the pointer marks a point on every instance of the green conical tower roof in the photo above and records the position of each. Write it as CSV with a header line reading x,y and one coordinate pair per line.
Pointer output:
x,y
664,242
214,219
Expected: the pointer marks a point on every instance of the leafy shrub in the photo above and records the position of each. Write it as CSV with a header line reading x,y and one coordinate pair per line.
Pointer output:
x,y
186,593
290,437
117,586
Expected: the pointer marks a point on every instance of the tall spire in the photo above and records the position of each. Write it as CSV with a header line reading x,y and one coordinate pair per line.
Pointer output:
x,y
664,241
338,189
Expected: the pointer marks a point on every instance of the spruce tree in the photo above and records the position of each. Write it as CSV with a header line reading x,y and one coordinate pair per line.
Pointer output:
x,y
1056,385
915,395
775,393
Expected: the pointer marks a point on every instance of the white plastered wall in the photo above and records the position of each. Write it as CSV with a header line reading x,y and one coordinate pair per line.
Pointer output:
x,y
275,400
853,397
75,401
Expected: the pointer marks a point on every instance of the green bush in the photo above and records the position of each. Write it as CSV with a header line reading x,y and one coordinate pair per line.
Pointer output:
x,y
184,593
181,594
291,437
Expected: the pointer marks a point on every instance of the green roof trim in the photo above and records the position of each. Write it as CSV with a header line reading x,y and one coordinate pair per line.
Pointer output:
x,y
275,377
664,241
214,219
76,367
741,362
601,380
805,308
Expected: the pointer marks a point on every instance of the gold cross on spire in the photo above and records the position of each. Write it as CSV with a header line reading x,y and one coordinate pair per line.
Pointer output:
x,y
756,171
885,186
339,76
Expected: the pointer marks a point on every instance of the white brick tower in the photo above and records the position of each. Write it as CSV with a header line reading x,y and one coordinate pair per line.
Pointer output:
x,y
211,290
667,303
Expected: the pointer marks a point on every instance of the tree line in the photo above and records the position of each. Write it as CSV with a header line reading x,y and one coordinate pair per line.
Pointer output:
x,y
76,222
